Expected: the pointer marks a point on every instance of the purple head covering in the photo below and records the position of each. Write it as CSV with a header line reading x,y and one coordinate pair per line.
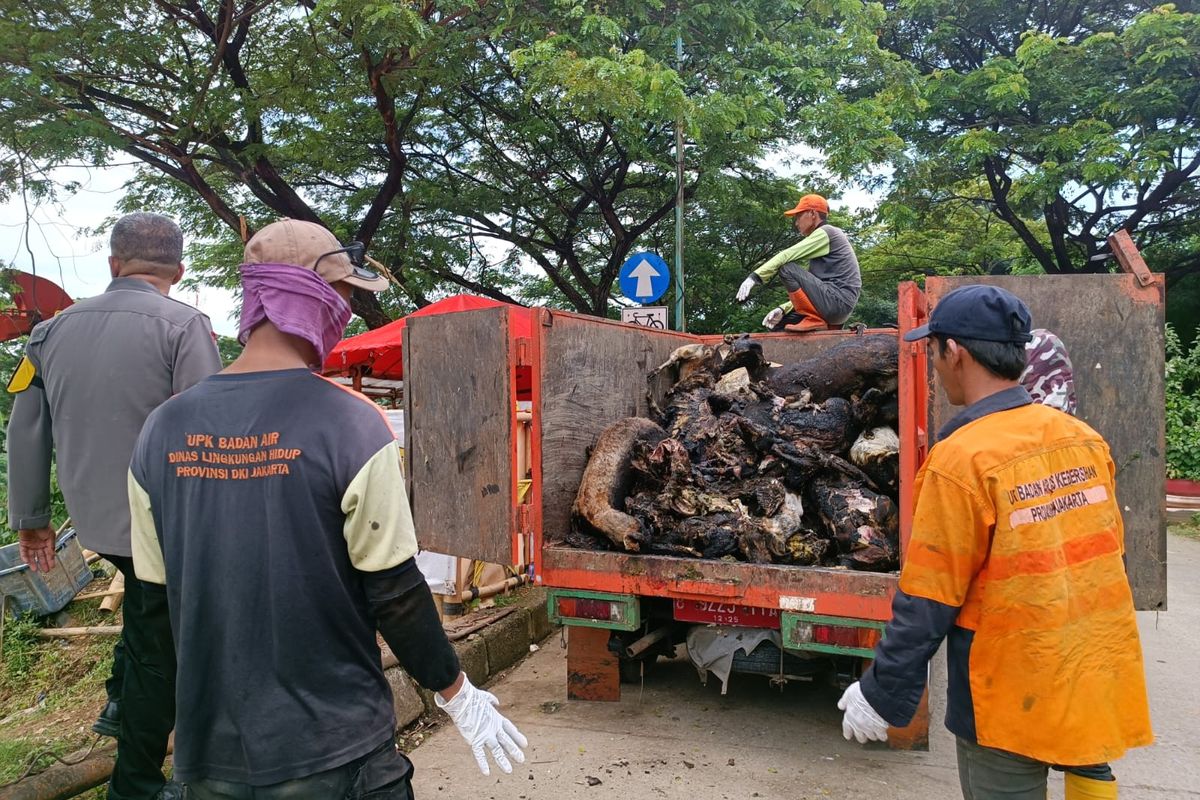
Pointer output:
x,y
296,300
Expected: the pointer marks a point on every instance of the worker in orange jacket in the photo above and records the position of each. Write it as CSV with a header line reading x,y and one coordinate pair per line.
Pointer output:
x,y
1015,559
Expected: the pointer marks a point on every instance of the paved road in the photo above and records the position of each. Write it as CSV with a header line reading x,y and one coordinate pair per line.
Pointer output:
x,y
674,738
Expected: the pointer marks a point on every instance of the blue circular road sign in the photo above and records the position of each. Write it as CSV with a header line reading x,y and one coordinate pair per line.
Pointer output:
x,y
644,277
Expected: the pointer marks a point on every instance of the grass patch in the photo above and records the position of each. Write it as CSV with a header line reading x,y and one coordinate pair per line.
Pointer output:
x,y
51,689
509,598
19,757
50,673
1189,529
20,651
15,756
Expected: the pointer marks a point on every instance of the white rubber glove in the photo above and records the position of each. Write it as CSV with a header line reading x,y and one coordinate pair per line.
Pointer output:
x,y
772,318
744,289
485,729
860,721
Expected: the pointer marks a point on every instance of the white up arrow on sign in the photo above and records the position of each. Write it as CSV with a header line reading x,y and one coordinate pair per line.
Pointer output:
x,y
645,274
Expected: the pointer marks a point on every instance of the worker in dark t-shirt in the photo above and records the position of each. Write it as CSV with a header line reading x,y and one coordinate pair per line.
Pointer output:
x,y
271,504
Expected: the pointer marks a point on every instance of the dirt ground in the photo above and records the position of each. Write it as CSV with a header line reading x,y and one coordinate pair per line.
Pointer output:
x,y
674,738
671,737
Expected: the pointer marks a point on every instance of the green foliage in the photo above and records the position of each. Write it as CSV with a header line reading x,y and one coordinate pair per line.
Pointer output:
x,y
523,151
1183,307
952,236
10,354
1189,529
1064,121
508,149
1183,408
20,650
229,348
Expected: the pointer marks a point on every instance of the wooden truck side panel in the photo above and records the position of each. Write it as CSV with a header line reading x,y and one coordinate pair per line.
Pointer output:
x,y
460,432
592,372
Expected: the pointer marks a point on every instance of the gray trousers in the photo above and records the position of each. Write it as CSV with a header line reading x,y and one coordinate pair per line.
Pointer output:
x,y
988,774
834,307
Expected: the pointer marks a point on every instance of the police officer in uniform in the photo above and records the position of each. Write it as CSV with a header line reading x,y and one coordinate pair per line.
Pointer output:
x,y
93,374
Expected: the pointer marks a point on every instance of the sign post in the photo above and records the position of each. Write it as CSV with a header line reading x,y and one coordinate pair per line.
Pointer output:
x,y
646,316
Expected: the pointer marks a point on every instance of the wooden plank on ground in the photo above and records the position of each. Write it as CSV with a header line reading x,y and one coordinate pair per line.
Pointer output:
x,y
1113,328
459,424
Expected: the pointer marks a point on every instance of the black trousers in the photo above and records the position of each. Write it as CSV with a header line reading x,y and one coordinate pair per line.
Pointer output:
x,y
143,682
383,774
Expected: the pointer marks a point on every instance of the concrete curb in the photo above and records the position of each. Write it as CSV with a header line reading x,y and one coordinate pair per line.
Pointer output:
x,y
483,654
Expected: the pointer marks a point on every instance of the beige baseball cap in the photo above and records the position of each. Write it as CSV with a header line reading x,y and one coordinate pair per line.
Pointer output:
x,y
311,246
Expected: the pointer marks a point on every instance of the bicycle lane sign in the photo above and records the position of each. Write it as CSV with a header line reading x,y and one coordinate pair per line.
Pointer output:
x,y
646,316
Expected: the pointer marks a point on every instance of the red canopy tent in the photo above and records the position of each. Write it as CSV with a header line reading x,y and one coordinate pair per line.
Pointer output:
x,y
31,299
378,352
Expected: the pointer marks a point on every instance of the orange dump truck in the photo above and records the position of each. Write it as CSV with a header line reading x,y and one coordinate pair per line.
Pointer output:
x,y
467,451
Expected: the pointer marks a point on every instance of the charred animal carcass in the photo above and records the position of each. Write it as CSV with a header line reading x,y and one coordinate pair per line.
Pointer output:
x,y
607,479
752,461
846,369
864,523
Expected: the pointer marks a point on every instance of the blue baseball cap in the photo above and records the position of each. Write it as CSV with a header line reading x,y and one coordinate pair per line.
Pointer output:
x,y
987,313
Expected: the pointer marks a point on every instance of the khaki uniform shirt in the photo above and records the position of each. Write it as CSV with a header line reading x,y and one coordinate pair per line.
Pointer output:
x,y
102,366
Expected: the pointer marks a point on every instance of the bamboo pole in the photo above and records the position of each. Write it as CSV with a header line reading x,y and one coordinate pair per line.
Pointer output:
x,y
482,592
98,595
3,616
116,593
66,633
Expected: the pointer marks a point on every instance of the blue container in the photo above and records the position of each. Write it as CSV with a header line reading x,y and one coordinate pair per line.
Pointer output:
x,y
44,592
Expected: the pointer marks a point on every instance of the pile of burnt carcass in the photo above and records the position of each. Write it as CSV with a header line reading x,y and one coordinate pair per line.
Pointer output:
x,y
752,461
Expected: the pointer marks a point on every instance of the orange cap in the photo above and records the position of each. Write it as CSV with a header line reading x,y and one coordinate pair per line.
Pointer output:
x,y
810,202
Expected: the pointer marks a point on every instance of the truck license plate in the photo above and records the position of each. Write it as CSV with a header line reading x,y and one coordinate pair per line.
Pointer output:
x,y
726,614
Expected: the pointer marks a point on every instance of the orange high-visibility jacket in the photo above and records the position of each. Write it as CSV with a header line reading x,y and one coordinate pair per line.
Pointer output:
x,y
1016,523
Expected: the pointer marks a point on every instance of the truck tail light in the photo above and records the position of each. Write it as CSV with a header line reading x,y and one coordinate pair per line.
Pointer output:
x,y
834,635
594,609
865,638
582,608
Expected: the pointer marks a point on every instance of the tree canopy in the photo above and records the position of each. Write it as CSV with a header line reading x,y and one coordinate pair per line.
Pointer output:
x,y
1067,121
523,150
459,141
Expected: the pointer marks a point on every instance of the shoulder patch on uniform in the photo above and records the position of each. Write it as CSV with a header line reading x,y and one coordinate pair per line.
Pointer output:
x,y
22,377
